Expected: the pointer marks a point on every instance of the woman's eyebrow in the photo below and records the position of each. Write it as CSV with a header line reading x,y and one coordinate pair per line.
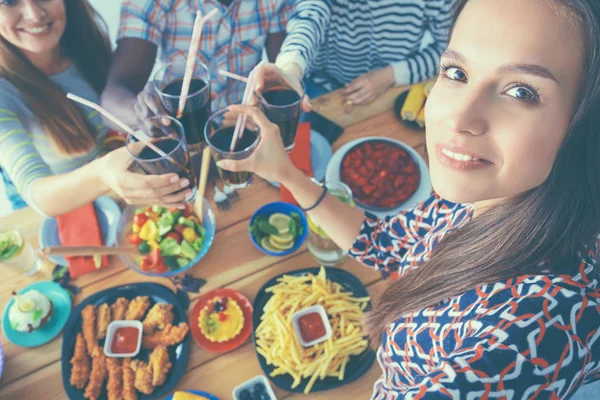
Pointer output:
x,y
529,69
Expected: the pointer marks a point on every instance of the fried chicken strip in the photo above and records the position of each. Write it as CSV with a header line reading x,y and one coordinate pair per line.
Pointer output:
x,y
88,326
114,386
169,336
80,370
102,320
143,376
119,308
129,392
97,376
158,317
160,365
137,308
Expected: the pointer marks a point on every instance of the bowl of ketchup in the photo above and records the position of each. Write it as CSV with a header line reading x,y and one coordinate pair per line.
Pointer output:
x,y
312,325
123,339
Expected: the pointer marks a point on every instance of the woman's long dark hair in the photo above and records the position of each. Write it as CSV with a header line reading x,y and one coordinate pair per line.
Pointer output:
x,y
86,44
550,222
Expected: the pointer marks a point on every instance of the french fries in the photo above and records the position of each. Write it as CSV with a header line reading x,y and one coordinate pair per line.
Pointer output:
x,y
277,341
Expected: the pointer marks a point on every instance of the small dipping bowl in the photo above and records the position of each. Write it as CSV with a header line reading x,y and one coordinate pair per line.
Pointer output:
x,y
320,311
113,327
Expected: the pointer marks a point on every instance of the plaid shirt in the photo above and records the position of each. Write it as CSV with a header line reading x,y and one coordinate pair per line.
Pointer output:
x,y
233,40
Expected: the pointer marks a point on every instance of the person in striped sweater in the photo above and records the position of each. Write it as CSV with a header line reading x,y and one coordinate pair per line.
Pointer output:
x,y
365,46
50,148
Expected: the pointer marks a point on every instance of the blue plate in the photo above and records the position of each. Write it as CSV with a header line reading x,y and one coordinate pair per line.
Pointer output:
x,y
158,294
284,208
320,154
61,302
199,393
108,213
357,365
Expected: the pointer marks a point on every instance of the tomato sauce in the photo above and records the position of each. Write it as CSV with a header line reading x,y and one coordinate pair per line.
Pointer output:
x,y
125,340
311,326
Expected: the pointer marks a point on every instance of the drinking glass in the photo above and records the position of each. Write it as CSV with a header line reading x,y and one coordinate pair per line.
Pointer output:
x,y
17,254
219,133
168,135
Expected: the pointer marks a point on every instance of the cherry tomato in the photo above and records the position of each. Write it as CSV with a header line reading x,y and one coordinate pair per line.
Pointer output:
x,y
140,219
134,239
161,267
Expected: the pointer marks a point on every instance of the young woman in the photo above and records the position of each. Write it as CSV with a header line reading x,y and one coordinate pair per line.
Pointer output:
x,y
497,295
48,144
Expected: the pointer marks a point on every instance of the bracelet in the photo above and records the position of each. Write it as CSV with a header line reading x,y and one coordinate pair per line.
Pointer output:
x,y
319,200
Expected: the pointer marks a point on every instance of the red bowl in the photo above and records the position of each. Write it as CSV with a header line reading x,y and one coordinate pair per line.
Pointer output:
x,y
382,175
232,344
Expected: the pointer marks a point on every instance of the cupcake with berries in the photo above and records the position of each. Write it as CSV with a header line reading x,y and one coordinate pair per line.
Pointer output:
x,y
221,319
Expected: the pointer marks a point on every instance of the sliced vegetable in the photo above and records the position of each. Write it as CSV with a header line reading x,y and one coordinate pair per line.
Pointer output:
x,y
169,247
176,214
149,231
164,226
182,261
145,264
189,234
198,243
187,250
174,235
153,244
140,220
200,230
144,248
185,221
135,228
158,209
134,239
171,262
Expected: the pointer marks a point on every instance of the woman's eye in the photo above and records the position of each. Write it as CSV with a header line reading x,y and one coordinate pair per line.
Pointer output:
x,y
522,93
8,3
455,74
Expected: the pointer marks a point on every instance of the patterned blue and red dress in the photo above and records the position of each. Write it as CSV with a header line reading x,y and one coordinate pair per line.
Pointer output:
x,y
533,336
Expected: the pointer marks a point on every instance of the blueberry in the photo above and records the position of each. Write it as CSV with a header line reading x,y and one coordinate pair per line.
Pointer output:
x,y
245,395
259,388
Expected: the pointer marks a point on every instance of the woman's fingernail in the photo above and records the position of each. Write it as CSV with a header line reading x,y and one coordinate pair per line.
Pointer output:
x,y
185,183
181,207
220,164
188,196
174,179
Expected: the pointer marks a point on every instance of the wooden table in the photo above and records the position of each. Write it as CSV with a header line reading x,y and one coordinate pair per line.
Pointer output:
x,y
36,373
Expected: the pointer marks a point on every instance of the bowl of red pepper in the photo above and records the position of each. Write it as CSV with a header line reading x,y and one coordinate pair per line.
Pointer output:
x,y
170,241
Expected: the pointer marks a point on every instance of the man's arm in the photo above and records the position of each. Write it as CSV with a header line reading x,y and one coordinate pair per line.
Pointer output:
x,y
131,67
305,33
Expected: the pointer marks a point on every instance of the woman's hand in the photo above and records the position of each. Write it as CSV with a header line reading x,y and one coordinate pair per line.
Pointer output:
x,y
270,160
166,190
290,74
368,87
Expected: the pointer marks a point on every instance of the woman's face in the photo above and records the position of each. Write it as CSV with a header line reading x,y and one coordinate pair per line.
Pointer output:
x,y
33,26
504,99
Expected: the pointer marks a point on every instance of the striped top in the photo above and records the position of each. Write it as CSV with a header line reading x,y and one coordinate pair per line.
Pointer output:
x,y
344,39
532,336
26,152
232,40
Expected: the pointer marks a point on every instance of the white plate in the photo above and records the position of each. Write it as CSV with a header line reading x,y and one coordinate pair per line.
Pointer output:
x,y
423,192
320,154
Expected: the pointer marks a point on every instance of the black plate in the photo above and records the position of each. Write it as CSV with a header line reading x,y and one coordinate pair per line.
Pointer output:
x,y
357,365
370,207
398,104
158,294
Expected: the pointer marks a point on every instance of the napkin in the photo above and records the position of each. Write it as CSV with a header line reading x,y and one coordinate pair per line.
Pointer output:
x,y
300,156
80,228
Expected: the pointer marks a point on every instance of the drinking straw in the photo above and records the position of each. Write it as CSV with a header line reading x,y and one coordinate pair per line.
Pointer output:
x,y
191,59
233,76
124,127
241,121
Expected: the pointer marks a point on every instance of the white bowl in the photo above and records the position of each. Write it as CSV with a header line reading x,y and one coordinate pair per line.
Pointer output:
x,y
110,333
250,384
319,310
